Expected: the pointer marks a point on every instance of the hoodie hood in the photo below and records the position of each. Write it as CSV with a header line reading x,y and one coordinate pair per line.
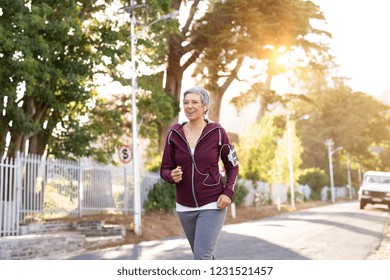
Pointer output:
x,y
178,128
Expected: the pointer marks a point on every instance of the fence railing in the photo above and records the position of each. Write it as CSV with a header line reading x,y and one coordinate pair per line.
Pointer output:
x,y
10,191
34,188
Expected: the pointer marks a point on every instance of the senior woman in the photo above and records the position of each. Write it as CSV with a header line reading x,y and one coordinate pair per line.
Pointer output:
x,y
191,158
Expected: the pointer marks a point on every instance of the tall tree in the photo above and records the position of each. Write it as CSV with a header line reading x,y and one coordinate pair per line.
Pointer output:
x,y
354,120
50,54
48,61
181,54
263,30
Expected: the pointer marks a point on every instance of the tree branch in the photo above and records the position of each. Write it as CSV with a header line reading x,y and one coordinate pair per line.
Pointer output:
x,y
193,10
233,75
191,60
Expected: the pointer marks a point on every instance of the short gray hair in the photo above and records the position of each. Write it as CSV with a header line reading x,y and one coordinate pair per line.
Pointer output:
x,y
204,96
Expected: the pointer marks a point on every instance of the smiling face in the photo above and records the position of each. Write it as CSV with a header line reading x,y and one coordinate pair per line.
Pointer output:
x,y
193,106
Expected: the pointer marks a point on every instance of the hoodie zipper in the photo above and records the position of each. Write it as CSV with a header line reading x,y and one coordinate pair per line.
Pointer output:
x,y
193,161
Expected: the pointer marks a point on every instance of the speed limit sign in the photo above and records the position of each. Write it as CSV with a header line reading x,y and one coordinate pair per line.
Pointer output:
x,y
125,154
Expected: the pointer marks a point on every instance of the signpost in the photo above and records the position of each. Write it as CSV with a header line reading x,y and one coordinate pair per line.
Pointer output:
x,y
125,155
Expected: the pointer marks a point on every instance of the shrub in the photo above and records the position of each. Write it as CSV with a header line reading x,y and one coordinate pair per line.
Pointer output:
x,y
316,179
161,197
240,192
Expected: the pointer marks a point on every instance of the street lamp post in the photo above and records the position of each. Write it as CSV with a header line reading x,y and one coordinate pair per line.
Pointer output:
x,y
329,144
290,157
290,162
136,176
349,176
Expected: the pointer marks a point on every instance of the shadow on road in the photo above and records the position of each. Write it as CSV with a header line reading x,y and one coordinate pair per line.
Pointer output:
x,y
234,246
231,247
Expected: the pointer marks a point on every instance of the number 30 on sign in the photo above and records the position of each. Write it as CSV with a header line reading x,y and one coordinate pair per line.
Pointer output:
x,y
125,154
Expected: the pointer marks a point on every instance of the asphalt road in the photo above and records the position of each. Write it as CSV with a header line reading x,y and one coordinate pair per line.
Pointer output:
x,y
335,232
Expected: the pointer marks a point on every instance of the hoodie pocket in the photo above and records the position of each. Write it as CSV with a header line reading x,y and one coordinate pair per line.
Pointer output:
x,y
212,180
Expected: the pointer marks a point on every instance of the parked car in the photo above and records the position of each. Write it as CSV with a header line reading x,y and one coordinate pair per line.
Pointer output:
x,y
375,189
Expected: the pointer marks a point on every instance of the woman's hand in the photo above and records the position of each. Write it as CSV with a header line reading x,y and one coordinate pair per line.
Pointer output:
x,y
223,201
177,174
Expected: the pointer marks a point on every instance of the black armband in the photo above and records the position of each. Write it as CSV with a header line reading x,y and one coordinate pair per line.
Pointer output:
x,y
232,156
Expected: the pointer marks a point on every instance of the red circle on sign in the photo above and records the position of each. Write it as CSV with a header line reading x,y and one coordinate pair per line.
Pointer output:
x,y
125,154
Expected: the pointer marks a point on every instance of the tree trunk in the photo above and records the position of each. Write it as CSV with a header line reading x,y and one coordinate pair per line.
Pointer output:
x,y
218,92
215,108
175,68
37,144
16,145
173,82
3,138
263,99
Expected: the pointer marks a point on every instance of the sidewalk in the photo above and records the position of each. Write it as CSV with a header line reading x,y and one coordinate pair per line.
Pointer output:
x,y
383,251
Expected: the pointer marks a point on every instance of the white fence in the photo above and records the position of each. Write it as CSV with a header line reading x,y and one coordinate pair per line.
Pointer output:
x,y
32,187
262,192
10,191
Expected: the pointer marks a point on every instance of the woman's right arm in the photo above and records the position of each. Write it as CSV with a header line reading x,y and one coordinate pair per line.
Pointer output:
x,y
167,164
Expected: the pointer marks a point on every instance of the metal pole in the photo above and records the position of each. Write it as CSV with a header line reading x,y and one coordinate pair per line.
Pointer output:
x,y
349,176
329,143
331,175
290,162
136,185
126,192
136,175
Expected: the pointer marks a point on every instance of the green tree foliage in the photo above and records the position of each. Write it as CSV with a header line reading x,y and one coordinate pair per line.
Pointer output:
x,y
280,169
156,106
233,30
157,109
354,120
49,54
257,150
97,138
152,43
53,55
218,35
384,159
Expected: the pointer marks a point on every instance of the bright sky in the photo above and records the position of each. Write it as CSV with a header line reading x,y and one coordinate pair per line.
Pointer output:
x,y
361,41
361,45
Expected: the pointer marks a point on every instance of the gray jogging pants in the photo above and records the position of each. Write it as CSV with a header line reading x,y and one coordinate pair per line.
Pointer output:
x,y
202,229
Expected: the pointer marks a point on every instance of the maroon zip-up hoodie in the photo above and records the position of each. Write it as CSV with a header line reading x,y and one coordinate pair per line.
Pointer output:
x,y
202,183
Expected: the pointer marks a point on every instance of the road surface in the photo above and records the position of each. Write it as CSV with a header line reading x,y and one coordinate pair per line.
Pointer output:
x,y
335,232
